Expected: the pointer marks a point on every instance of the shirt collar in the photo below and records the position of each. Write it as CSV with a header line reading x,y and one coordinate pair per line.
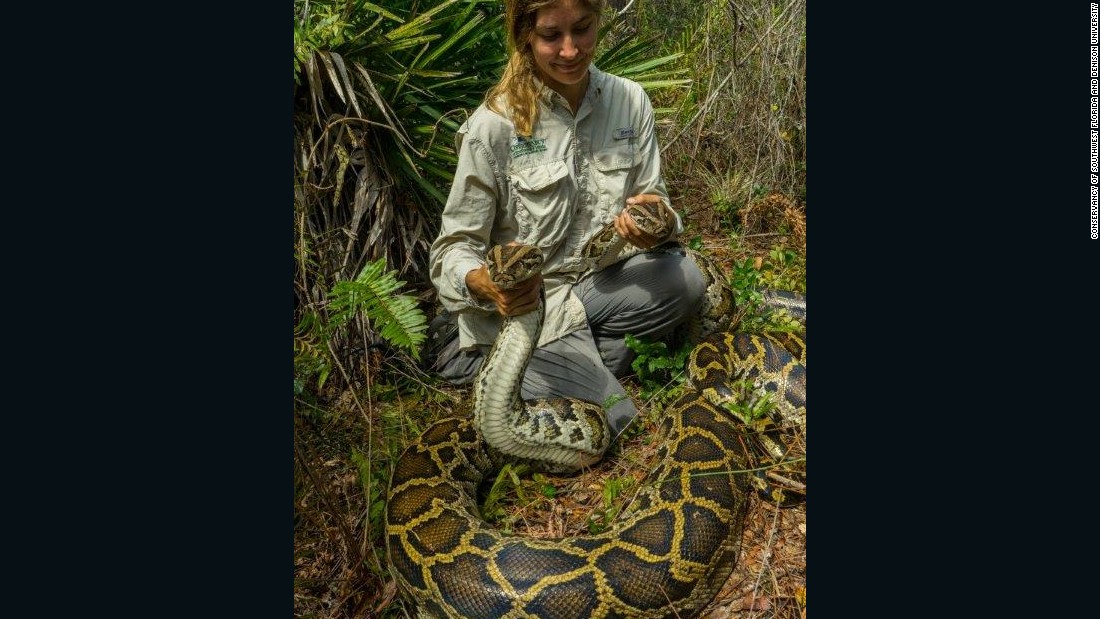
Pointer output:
x,y
596,80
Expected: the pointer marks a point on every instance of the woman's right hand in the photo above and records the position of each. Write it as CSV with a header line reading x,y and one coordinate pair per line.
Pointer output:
x,y
511,302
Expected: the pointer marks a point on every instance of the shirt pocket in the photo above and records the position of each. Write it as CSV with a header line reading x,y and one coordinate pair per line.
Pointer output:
x,y
614,175
540,195
540,176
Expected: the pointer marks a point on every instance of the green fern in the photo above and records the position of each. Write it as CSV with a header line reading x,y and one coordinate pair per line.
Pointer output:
x,y
374,292
310,356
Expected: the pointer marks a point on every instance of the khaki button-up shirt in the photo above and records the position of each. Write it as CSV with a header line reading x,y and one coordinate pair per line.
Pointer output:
x,y
555,189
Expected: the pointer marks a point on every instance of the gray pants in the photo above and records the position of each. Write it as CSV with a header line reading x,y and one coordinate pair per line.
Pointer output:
x,y
647,296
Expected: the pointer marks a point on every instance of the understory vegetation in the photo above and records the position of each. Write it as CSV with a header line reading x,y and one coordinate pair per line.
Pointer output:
x,y
379,90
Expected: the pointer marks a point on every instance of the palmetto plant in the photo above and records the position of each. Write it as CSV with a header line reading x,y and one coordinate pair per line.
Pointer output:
x,y
379,91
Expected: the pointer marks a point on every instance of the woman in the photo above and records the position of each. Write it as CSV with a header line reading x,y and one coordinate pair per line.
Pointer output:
x,y
558,149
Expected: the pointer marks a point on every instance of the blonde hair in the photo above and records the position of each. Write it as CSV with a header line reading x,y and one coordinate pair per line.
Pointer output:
x,y
516,88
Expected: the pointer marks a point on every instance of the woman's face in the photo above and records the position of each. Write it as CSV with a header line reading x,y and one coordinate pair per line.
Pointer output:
x,y
562,44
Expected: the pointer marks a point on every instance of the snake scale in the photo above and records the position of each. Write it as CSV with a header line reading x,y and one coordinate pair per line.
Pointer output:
x,y
667,558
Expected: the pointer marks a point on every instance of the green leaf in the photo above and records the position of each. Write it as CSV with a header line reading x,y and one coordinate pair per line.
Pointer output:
x,y
374,292
381,11
406,43
453,40
418,23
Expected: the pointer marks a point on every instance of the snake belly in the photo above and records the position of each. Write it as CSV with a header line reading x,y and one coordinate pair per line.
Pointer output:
x,y
550,434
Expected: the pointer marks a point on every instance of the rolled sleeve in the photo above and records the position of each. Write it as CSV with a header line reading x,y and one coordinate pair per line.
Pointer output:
x,y
465,228
649,179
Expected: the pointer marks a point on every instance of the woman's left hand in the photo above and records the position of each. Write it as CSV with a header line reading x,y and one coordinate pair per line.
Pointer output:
x,y
629,230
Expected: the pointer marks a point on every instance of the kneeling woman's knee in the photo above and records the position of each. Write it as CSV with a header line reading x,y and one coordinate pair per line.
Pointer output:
x,y
678,287
694,286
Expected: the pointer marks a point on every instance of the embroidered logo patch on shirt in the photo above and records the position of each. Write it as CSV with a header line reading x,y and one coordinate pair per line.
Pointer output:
x,y
527,146
624,132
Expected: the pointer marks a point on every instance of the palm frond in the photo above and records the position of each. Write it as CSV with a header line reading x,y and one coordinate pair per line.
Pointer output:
x,y
628,55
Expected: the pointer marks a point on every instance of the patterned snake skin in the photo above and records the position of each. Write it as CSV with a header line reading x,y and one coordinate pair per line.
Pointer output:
x,y
666,558
552,434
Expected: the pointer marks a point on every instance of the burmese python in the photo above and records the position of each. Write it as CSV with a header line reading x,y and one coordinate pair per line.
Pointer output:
x,y
667,558
554,434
